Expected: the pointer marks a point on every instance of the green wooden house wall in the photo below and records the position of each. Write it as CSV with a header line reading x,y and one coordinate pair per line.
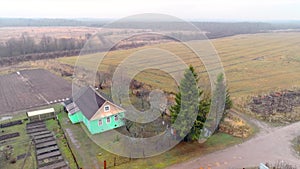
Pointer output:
x,y
76,117
94,127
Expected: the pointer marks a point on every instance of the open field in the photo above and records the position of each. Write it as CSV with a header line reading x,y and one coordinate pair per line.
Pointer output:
x,y
54,32
254,64
30,88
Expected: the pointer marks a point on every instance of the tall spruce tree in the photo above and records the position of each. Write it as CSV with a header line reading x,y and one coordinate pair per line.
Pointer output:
x,y
228,101
217,107
188,107
221,101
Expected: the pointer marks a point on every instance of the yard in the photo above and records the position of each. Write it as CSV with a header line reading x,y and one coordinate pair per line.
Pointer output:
x,y
90,155
21,146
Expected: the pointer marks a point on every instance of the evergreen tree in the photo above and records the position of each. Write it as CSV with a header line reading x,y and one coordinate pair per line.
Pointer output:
x,y
188,107
218,102
221,102
228,101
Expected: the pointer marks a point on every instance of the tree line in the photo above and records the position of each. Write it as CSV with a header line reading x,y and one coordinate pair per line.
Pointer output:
x,y
26,44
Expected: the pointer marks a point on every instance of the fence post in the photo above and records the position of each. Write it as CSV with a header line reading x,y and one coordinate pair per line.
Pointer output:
x,y
104,164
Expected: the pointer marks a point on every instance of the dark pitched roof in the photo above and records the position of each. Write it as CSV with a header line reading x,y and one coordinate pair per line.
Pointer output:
x,y
89,102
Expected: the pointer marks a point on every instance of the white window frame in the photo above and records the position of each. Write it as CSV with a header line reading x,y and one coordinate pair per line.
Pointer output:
x,y
99,122
116,117
106,107
107,120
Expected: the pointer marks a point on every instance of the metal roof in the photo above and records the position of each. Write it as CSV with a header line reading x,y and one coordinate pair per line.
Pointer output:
x,y
72,108
89,102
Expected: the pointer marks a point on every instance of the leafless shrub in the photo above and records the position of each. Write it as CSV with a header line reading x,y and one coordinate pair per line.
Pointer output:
x,y
280,165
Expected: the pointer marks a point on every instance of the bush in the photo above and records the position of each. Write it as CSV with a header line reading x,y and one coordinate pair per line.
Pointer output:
x,y
13,161
280,165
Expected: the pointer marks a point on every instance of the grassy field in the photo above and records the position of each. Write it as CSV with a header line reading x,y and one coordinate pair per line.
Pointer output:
x,y
55,32
254,64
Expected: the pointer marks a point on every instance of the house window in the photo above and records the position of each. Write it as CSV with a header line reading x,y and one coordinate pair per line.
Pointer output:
x,y
107,120
100,122
106,108
116,117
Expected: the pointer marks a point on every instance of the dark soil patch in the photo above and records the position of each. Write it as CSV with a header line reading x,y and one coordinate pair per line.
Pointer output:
x,y
28,89
283,104
8,136
12,123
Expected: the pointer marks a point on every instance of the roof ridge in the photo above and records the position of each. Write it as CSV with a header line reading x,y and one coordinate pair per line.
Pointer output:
x,y
81,91
89,101
98,93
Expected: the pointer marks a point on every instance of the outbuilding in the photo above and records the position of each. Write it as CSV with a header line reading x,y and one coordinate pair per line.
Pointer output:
x,y
43,114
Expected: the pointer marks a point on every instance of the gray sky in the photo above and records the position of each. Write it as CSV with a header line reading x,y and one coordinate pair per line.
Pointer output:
x,y
185,9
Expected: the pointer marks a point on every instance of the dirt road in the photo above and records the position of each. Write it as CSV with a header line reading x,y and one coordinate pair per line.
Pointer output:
x,y
269,145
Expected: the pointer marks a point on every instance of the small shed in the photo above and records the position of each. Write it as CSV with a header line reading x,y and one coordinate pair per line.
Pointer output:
x,y
43,114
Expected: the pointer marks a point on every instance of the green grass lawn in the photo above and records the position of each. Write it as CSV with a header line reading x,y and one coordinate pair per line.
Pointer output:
x,y
296,145
21,145
90,155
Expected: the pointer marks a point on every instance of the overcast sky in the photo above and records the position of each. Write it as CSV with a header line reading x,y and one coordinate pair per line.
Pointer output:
x,y
185,9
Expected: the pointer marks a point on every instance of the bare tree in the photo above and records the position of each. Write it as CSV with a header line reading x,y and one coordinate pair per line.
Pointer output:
x,y
143,95
120,84
102,77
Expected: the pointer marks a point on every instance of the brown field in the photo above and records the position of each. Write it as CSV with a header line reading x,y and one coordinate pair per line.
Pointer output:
x,y
56,32
254,64
32,88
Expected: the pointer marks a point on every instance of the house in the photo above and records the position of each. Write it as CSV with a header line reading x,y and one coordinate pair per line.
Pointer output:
x,y
95,111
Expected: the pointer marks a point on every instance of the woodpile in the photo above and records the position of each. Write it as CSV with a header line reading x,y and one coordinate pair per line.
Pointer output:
x,y
235,126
